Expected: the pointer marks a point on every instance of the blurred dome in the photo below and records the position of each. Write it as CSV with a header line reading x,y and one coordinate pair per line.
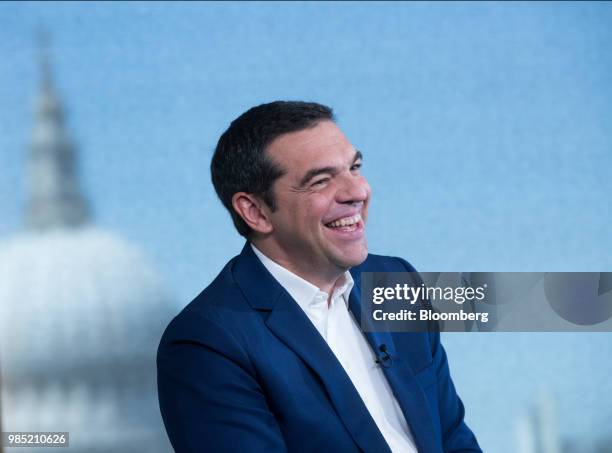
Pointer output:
x,y
82,294
81,314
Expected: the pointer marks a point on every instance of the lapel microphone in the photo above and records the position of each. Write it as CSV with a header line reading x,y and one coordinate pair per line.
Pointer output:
x,y
384,359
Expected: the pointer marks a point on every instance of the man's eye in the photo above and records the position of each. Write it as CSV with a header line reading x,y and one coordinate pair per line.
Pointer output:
x,y
356,166
320,182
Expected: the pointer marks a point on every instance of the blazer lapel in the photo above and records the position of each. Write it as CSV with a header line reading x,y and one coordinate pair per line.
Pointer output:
x,y
291,325
399,374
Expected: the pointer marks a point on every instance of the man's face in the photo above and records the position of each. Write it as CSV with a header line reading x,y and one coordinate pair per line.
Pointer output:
x,y
321,201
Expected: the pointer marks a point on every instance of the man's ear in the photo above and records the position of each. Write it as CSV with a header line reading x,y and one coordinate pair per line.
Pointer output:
x,y
253,211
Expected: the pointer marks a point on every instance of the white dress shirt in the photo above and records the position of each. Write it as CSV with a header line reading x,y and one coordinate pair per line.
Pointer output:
x,y
340,330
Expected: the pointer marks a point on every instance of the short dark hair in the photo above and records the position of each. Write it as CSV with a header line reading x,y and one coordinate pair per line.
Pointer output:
x,y
240,163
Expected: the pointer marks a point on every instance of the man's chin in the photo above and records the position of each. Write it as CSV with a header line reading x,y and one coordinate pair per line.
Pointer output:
x,y
353,257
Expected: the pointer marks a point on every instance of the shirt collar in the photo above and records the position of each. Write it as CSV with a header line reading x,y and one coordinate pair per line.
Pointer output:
x,y
303,292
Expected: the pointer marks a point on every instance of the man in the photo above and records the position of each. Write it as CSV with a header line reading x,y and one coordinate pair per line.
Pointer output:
x,y
270,356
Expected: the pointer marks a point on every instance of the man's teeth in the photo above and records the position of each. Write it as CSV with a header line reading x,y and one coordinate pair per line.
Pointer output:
x,y
346,221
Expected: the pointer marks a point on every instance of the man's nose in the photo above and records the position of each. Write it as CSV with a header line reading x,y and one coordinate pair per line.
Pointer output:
x,y
354,189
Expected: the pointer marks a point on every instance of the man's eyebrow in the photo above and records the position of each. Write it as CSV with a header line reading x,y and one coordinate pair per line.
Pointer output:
x,y
321,170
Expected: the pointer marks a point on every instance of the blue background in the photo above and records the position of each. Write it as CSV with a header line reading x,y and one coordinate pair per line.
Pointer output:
x,y
486,130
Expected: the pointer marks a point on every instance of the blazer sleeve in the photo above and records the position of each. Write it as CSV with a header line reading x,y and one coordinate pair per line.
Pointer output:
x,y
208,396
456,435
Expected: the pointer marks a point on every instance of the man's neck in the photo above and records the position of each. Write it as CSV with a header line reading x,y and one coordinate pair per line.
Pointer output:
x,y
325,281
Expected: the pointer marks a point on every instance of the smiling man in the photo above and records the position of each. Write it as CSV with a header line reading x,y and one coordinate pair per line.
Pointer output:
x,y
270,356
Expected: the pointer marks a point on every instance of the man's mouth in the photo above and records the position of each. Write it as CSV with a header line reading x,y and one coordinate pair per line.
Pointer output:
x,y
346,223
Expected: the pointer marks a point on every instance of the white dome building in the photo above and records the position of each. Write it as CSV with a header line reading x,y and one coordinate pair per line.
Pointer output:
x,y
81,313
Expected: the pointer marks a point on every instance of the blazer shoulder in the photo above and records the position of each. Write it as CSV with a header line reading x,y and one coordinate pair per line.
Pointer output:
x,y
221,303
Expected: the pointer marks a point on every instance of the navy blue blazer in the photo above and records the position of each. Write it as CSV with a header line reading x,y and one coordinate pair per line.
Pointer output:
x,y
242,368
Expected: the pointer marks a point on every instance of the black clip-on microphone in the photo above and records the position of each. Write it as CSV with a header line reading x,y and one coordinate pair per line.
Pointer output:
x,y
385,358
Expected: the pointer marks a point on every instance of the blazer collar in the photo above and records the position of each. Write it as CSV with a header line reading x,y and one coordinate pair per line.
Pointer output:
x,y
258,286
